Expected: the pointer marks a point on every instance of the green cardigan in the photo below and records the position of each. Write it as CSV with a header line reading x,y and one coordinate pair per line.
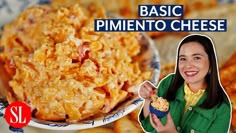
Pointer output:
x,y
196,119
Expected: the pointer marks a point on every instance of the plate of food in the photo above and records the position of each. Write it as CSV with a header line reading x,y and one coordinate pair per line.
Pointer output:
x,y
72,77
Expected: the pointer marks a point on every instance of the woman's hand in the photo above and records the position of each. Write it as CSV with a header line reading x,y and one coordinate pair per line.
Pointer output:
x,y
146,90
169,127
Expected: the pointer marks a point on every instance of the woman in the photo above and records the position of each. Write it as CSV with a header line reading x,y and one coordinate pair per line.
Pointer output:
x,y
196,98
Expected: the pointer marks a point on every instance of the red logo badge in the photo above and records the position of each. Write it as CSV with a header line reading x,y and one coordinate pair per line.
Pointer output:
x,y
18,114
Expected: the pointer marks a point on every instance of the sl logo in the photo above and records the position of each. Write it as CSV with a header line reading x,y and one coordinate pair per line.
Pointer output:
x,y
18,114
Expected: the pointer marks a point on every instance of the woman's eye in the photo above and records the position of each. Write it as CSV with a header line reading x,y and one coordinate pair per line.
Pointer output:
x,y
182,59
197,58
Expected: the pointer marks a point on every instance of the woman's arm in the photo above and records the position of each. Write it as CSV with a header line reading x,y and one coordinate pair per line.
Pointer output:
x,y
144,116
145,91
146,110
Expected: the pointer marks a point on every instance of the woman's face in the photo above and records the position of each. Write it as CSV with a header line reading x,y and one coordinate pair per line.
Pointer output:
x,y
193,63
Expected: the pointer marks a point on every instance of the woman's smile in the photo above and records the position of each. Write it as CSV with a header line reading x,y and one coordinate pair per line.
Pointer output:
x,y
190,73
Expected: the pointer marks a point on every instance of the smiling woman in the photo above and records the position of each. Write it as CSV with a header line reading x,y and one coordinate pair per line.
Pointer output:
x,y
193,65
197,100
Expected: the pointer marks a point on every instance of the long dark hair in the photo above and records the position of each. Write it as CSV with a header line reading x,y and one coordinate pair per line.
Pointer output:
x,y
215,93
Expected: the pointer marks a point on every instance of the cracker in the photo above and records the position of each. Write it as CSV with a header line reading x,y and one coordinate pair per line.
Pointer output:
x,y
224,41
96,130
192,5
127,125
135,114
228,80
167,46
